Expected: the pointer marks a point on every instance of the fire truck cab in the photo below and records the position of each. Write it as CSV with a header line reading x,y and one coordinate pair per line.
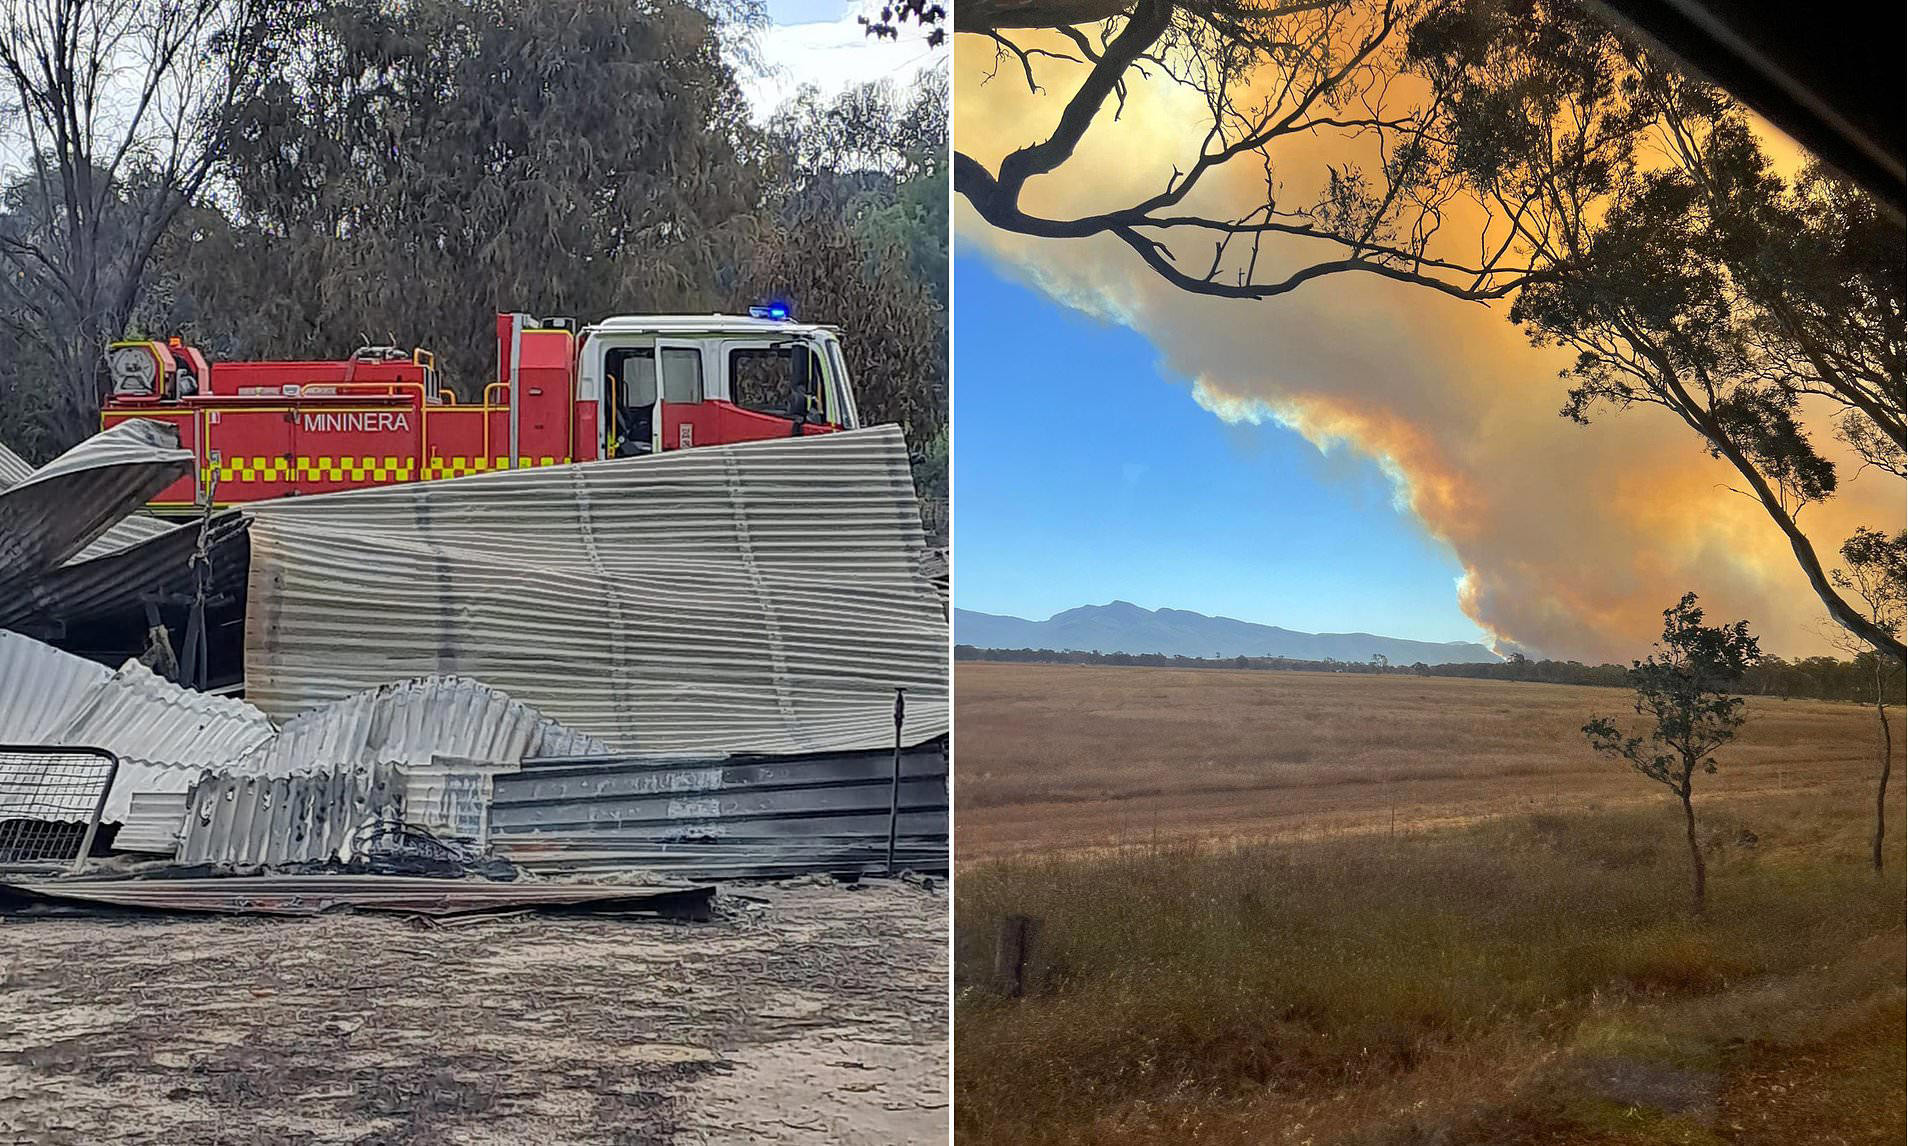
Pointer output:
x,y
674,382
624,387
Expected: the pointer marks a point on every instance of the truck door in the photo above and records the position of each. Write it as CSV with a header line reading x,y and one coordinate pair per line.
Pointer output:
x,y
629,387
684,419
778,388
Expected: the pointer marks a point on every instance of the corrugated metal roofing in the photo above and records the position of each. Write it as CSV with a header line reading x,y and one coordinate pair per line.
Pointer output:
x,y
740,817
41,688
166,736
137,554
759,597
246,821
14,469
68,504
413,722
314,894
117,581
152,824
143,718
128,531
163,734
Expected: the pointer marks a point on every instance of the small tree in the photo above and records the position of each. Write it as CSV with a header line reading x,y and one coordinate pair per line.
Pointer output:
x,y
1683,688
1874,568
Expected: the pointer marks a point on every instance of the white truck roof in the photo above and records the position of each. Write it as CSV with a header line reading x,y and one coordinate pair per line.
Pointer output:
x,y
737,324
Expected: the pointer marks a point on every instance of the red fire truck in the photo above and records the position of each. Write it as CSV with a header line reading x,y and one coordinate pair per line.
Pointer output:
x,y
623,387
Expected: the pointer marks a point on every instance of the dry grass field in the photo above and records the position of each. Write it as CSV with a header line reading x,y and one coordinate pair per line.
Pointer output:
x,y
1063,757
1312,909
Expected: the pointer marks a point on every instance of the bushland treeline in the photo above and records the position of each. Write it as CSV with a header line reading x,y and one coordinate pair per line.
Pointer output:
x,y
288,180
1815,678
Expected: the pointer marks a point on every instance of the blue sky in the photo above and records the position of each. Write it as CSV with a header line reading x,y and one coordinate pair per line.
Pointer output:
x,y
1082,474
806,11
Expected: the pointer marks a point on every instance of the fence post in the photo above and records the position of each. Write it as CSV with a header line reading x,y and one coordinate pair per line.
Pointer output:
x,y
894,789
1011,948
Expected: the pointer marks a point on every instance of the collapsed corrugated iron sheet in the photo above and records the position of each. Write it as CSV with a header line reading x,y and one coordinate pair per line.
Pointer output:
x,y
335,771
443,753
766,598
120,580
759,597
744,816
69,504
143,718
138,556
315,894
415,722
250,821
164,735
153,823
133,529
14,469
41,688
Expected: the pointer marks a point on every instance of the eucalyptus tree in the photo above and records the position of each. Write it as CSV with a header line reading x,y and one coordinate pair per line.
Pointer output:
x,y
1684,272
1685,689
1282,82
1875,569
414,170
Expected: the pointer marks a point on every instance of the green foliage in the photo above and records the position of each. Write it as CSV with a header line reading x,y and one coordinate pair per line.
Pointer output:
x,y
894,333
1875,567
929,16
409,171
1685,688
878,161
859,240
417,171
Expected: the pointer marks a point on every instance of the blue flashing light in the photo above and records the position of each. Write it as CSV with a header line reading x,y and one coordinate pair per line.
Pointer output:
x,y
775,311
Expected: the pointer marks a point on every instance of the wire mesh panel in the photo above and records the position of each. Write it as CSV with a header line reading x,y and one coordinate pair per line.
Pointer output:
x,y
50,801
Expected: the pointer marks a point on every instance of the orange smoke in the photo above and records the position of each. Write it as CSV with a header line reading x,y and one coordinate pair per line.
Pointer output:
x,y
1573,539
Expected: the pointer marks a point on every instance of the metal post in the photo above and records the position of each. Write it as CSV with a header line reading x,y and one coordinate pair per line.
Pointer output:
x,y
99,809
516,375
894,790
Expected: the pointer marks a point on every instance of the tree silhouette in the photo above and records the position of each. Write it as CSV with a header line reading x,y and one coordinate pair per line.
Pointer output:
x,y
1875,569
1683,688
1275,78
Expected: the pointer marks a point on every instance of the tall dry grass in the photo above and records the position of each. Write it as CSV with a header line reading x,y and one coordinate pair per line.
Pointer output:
x,y
1171,983
1461,985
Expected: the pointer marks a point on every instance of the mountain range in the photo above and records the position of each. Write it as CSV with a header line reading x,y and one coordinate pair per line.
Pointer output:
x,y
1122,627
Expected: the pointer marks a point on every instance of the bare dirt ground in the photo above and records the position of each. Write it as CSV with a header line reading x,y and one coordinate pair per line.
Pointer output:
x,y
1078,758
817,1016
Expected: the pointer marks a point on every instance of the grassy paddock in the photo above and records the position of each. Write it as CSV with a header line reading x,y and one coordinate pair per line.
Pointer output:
x,y
1052,758
1468,985
1039,734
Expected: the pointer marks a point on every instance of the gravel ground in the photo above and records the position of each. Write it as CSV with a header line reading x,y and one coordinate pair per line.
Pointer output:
x,y
819,1015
